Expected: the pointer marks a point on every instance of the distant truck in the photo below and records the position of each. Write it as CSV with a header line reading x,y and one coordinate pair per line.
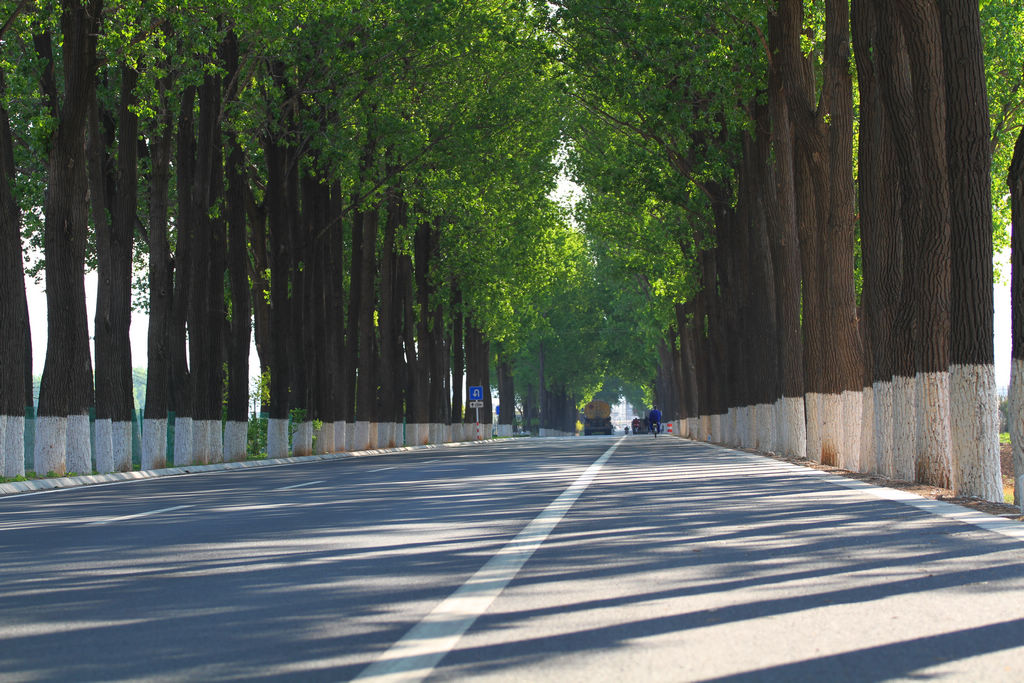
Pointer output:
x,y
597,418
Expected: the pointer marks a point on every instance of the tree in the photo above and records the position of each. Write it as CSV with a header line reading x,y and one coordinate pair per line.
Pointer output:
x,y
66,390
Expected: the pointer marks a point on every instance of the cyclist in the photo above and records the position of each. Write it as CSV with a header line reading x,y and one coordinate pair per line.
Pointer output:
x,y
654,420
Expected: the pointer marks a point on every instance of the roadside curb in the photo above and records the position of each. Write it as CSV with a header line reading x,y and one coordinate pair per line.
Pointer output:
x,y
38,485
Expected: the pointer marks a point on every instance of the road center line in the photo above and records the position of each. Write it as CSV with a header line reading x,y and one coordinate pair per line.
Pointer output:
x,y
141,514
298,486
416,654
381,469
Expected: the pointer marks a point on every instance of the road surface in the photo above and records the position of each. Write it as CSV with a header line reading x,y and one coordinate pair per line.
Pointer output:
x,y
588,559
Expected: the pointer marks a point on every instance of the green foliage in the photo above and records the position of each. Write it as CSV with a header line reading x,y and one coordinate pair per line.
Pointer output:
x,y
256,438
1001,24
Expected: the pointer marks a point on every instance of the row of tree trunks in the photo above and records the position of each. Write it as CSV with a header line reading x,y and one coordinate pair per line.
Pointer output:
x,y
393,363
878,385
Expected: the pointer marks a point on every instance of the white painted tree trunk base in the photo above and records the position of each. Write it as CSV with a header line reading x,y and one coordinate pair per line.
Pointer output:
x,y
3,445
417,433
904,428
373,438
350,436
323,438
51,446
121,442
183,441
1016,424
200,442
277,438
302,439
215,441
933,457
883,431
383,435
104,447
339,436
715,434
833,438
14,445
154,444
851,413
395,437
361,435
793,409
812,404
78,446
974,432
867,430
731,429
236,441
765,428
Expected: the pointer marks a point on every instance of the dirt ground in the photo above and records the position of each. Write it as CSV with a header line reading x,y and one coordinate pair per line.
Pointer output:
x,y
933,492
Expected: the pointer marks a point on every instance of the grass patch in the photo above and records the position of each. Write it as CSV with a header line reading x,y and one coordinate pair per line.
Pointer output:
x,y
1004,437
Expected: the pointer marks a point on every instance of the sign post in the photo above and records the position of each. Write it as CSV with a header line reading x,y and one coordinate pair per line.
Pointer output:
x,y
476,400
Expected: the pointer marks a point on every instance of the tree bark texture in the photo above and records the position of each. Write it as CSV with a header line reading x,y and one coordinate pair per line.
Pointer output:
x,y
66,387
1016,409
973,400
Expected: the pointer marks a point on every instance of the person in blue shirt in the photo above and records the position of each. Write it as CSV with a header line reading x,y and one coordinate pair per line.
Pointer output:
x,y
654,420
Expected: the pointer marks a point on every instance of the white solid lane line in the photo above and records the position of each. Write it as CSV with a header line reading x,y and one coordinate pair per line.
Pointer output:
x,y
381,469
136,516
416,654
298,486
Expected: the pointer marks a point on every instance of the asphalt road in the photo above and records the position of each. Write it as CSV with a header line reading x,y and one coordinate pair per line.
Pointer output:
x,y
590,559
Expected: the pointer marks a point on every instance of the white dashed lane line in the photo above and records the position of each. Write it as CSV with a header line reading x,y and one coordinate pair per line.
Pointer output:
x,y
298,486
137,516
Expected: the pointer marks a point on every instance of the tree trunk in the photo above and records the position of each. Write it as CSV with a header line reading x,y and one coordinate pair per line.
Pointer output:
x,y
65,392
458,356
206,314
366,382
881,236
14,324
280,246
929,200
416,409
124,219
154,431
180,382
390,393
336,317
102,192
258,264
1016,182
506,397
973,400
240,325
782,231
844,356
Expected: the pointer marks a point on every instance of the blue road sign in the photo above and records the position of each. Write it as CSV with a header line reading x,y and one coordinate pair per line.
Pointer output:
x,y
476,393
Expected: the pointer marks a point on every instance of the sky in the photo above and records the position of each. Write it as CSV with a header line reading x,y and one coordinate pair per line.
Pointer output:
x,y
139,329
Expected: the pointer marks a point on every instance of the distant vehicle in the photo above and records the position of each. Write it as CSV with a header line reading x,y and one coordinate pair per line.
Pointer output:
x,y
597,418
